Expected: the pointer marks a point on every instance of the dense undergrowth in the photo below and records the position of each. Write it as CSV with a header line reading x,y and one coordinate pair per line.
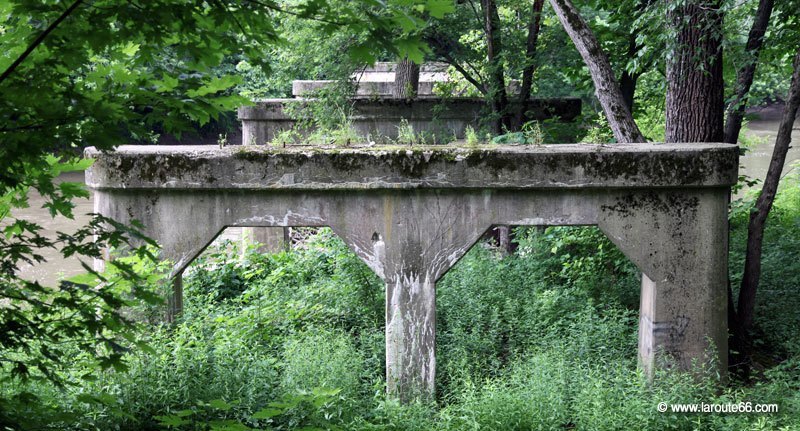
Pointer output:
x,y
542,339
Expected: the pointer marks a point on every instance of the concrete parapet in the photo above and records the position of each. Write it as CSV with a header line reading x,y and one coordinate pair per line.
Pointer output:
x,y
412,213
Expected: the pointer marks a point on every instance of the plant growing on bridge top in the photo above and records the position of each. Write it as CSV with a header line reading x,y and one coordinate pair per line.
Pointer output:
x,y
533,133
405,133
471,136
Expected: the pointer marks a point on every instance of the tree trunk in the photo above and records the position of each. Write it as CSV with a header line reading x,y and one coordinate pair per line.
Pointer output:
x,y
406,79
694,74
627,82
758,217
745,76
605,84
530,67
627,85
497,84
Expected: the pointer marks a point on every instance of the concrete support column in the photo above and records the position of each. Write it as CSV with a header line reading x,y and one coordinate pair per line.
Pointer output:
x,y
410,338
175,300
271,239
410,239
687,330
679,239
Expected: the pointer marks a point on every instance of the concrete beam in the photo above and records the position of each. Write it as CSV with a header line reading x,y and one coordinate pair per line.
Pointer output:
x,y
494,167
381,84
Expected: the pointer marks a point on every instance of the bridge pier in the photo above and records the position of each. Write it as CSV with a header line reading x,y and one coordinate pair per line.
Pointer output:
x,y
410,215
175,299
410,338
410,238
679,240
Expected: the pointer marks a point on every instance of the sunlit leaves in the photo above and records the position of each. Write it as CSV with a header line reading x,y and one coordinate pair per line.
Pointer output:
x,y
412,48
44,325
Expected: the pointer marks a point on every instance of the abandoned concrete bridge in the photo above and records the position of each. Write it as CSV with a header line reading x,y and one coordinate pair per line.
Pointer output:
x,y
412,213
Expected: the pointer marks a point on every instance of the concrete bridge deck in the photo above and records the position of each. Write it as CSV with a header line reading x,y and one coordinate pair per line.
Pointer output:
x,y
412,212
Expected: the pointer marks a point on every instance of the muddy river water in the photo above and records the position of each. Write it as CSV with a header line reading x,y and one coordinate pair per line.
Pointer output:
x,y
754,165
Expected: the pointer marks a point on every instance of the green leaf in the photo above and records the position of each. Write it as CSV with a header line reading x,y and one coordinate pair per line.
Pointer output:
x,y
215,85
220,405
361,54
130,49
171,420
228,425
439,8
413,48
166,84
267,413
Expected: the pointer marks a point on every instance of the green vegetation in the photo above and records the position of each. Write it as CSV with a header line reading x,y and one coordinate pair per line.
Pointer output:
x,y
542,339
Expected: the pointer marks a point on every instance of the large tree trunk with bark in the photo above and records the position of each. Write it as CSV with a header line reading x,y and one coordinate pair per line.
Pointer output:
x,y
758,218
744,78
406,79
695,102
534,25
497,84
605,84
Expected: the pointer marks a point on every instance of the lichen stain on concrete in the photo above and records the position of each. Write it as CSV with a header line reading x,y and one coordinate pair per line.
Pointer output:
x,y
674,205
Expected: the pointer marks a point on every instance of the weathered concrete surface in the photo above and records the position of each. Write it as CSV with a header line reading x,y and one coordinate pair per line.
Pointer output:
x,y
378,118
400,167
411,213
679,239
378,81
368,89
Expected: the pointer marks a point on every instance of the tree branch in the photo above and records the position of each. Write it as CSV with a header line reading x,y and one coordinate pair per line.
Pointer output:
x,y
449,60
744,79
758,217
605,84
534,25
38,41
300,15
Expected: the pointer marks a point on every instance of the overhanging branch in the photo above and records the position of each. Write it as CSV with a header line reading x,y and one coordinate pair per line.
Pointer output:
x,y
39,39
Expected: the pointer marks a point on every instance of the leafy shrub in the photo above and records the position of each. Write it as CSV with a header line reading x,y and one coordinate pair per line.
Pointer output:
x,y
533,394
584,258
218,272
200,360
322,359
